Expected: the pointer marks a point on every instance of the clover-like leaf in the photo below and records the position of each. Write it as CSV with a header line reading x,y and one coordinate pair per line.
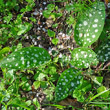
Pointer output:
x,y
68,81
24,58
90,25
83,57
102,89
103,52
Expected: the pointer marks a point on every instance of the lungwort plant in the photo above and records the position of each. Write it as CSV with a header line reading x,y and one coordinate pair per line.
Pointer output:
x,y
87,30
28,57
90,25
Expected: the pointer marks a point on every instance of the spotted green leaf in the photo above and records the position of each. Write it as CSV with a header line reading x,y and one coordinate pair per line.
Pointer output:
x,y
24,58
103,52
68,81
90,25
83,57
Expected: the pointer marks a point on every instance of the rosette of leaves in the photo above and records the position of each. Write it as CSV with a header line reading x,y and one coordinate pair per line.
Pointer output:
x,y
24,58
90,25
103,52
68,82
83,57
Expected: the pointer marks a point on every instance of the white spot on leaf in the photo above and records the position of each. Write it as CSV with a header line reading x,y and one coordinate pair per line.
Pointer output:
x,y
93,36
85,23
80,34
96,20
96,30
94,25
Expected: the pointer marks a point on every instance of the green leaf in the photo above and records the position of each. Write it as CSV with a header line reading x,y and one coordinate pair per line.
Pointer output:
x,y
53,16
55,25
103,52
106,30
35,102
51,70
24,58
23,28
33,19
4,51
57,14
28,103
2,86
19,46
44,84
36,84
70,20
1,2
39,76
86,86
49,93
30,6
51,33
54,77
79,95
90,25
69,7
18,102
1,97
83,57
8,18
50,7
30,1
10,77
55,41
98,80
46,13
26,86
80,92
68,81
101,89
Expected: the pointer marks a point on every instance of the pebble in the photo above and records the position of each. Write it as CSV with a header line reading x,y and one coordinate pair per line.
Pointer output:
x,y
30,37
40,13
61,46
39,37
44,29
44,3
108,5
45,8
60,55
35,43
39,28
63,35
33,40
35,13
40,46
27,37
41,9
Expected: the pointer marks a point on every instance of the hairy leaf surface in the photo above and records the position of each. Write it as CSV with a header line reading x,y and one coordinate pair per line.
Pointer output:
x,y
68,81
83,57
103,52
90,25
24,58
